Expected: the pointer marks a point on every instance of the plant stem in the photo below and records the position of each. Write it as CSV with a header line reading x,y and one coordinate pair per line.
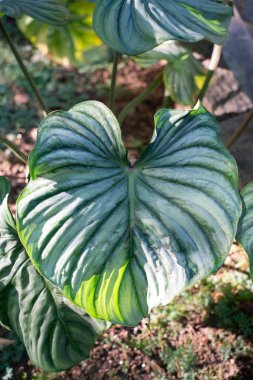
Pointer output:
x,y
14,149
214,63
240,130
167,101
23,68
113,81
138,99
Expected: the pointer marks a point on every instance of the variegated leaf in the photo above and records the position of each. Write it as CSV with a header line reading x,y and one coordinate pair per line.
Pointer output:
x,y
119,239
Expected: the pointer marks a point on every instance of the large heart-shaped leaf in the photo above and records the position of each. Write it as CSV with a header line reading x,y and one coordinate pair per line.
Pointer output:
x,y
75,43
48,11
57,335
119,239
133,27
245,227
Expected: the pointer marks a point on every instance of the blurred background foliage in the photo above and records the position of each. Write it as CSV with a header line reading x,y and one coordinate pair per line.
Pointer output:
x,y
75,43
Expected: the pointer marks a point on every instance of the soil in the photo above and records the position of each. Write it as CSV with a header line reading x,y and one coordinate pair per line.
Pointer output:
x,y
115,355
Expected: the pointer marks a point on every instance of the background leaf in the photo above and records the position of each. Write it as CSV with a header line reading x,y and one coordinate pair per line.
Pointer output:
x,y
119,240
183,76
169,50
133,27
47,11
245,227
75,43
56,334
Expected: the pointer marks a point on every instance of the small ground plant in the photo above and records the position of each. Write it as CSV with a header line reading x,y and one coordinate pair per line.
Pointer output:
x,y
99,239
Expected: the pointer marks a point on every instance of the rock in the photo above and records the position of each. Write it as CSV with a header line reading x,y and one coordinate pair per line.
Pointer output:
x,y
225,96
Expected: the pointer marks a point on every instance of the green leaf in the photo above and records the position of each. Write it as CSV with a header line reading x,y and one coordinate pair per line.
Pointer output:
x,y
183,78
169,51
75,43
10,260
245,226
184,75
133,27
118,239
47,11
56,335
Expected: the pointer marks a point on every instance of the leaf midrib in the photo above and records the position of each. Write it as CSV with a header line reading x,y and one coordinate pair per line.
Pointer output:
x,y
132,221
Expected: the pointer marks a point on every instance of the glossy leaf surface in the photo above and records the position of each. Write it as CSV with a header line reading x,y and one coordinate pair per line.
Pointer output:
x,y
116,239
133,27
245,227
47,11
56,335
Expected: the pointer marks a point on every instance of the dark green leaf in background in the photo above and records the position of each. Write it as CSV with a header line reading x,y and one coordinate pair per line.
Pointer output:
x,y
183,79
168,51
183,76
245,227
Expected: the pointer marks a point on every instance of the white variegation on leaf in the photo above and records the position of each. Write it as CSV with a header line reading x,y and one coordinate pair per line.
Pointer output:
x,y
133,27
245,226
55,333
119,239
